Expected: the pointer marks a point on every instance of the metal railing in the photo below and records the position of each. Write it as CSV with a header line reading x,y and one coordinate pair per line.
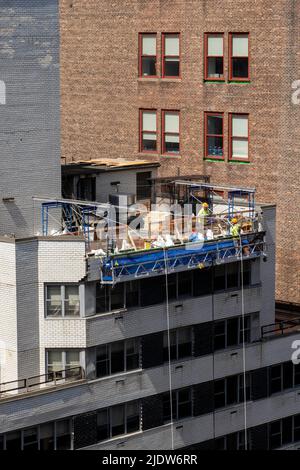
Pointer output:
x,y
280,328
39,382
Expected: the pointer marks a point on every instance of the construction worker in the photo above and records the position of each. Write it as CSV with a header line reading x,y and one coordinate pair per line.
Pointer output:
x,y
235,228
203,214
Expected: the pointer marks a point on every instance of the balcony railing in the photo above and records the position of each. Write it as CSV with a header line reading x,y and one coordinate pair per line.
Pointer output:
x,y
280,328
41,382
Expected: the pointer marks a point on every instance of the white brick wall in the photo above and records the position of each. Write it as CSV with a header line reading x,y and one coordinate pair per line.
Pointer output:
x,y
59,261
8,314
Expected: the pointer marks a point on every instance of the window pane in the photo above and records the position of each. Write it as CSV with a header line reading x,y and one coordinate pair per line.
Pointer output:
x,y
132,354
172,44
275,379
287,375
296,428
219,278
117,357
102,361
13,440
132,417
275,434
171,144
132,294
185,283
215,125
2,442
149,66
232,332
232,275
240,126
149,45
117,296
30,439
215,67
215,146
219,393
63,435
103,425
240,68
171,68
202,282
240,46
72,358
297,374
54,301
215,46
232,390
184,404
72,301
117,420
149,121
219,335
149,142
102,298
240,148
152,291
55,362
184,337
47,436
172,122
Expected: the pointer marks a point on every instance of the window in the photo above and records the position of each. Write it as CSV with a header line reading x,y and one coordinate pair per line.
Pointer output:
x,y
30,439
283,377
62,301
182,404
170,132
118,420
180,344
63,434
13,440
202,282
108,298
230,390
214,147
171,55
275,435
148,131
132,294
229,332
59,361
238,137
147,62
117,357
47,436
143,185
239,56
214,56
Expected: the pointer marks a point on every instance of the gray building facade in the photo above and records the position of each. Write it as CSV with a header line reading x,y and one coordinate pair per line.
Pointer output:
x,y
30,110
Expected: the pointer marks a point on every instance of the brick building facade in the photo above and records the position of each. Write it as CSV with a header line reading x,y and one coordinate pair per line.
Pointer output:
x,y
102,95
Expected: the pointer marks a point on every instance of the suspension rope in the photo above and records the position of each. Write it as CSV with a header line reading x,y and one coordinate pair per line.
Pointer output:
x,y
244,346
169,349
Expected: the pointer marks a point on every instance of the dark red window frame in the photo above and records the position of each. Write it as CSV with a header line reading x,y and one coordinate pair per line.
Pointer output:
x,y
163,133
231,137
206,57
163,36
206,135
141,56
231,57
141,131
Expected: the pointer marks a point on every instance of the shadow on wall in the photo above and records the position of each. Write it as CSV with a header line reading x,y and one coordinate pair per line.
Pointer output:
x,y
17,218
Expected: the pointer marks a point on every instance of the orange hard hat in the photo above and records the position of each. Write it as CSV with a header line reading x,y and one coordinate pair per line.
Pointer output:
x,y
234,220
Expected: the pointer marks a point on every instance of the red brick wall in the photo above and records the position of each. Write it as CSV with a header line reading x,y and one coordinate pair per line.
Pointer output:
x,y
101,96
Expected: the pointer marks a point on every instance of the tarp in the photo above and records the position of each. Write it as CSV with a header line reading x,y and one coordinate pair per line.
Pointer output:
x,y
181,256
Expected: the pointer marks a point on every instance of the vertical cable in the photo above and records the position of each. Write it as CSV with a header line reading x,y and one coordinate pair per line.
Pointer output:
x,y
244,348
169,348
